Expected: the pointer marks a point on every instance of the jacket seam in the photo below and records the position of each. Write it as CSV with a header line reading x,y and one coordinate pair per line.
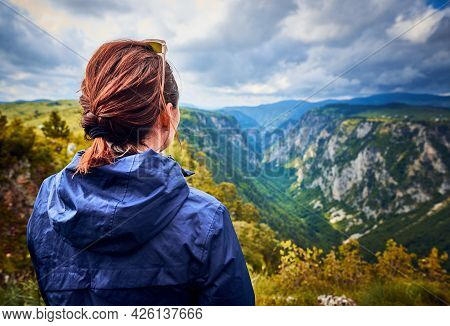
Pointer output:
x,y
209,232
123,198
64,270
58,176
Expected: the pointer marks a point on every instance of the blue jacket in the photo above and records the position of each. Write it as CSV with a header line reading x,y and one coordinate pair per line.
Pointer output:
x,y
134,233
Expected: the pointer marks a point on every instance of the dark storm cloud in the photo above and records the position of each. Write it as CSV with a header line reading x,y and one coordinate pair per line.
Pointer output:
x,y
407,64
246,46
30,58
249,24
250,47
413,67
23,46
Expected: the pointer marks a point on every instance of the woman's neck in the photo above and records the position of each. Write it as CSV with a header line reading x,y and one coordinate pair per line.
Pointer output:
x,y
155,140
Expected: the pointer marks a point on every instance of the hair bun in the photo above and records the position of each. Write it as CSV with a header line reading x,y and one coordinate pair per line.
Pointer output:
x,y
89,120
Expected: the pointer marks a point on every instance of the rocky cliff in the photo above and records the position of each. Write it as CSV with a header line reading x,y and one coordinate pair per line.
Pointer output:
x,y
372,169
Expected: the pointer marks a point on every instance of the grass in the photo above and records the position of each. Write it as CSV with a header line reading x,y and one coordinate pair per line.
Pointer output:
x,y
23,292
378,293
35,113
402,293
268,292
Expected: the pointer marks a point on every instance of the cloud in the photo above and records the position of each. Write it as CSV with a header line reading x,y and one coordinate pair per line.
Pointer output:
x,y
425,22
234,52
399,77
32,65
338,22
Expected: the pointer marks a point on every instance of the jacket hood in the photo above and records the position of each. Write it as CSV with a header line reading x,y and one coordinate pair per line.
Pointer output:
x,y
118,207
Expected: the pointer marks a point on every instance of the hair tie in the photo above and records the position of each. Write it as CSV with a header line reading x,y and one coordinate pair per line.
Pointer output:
x,y
96,131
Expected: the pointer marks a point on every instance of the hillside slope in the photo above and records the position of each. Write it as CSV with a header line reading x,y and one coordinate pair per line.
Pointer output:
x,y
374,172
231,156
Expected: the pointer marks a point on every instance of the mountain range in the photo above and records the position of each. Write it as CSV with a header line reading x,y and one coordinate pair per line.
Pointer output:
x,y
373,168
277,114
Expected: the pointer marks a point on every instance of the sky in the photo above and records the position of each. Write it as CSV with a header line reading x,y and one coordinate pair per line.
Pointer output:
x,y
236,52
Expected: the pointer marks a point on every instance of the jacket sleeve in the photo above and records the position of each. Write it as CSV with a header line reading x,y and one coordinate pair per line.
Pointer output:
x,y
225,280
33,228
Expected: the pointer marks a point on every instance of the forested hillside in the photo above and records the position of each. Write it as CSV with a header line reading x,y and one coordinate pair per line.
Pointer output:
x,y
374,172
233,155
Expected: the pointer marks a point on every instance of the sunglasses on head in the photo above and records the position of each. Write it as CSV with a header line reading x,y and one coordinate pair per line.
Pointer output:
x,y
160,47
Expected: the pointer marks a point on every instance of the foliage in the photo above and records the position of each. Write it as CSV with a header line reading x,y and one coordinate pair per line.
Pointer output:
x,y
55,127
304,267
432,266
395,261
226,192
393,280
25,160
259,245
21,292
346,267
212,134
14,258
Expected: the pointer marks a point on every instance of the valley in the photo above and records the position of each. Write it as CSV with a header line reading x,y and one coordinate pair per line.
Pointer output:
x,y
373,172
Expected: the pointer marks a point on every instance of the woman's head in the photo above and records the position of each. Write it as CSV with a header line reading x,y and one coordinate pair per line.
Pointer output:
x,y
124,106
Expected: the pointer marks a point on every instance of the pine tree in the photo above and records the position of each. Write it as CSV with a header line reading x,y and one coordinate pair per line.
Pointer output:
x,y
55,127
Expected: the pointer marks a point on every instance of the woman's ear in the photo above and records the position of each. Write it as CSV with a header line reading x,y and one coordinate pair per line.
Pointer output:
x,y
167,115
174,114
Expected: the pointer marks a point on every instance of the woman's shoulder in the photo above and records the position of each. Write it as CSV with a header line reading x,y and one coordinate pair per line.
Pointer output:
x,y
205,207
201,201
43,192
202,197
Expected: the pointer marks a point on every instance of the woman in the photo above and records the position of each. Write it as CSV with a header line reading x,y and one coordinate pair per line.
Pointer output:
x,y
119,225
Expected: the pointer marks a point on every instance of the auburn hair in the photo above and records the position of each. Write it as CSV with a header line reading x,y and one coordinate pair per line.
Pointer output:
x,y
122,98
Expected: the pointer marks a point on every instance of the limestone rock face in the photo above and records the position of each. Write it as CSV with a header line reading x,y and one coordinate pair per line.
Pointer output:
x,y
368,169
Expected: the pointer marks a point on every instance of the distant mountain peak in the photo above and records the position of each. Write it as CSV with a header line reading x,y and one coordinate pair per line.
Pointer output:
x,y
294,109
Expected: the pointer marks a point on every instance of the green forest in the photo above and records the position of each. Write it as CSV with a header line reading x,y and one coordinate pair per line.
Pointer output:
x,y
39,139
